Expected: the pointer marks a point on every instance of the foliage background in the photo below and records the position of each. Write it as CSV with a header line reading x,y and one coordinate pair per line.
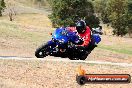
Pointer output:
x,y
67,12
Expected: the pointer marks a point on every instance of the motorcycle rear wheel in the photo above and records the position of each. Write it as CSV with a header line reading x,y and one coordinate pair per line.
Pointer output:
x,y
82,57
73,58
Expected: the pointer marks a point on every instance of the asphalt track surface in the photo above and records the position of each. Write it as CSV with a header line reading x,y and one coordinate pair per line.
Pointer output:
x,y
65,60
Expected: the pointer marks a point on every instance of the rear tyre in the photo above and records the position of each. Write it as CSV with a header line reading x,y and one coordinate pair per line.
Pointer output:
x,y
41,51
83,57
79,55
73,58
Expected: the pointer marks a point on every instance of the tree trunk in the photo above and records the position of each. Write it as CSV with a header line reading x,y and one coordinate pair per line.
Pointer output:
x,y
0,13
11,16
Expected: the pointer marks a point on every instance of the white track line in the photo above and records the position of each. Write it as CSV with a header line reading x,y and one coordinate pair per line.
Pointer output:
x,y
67,60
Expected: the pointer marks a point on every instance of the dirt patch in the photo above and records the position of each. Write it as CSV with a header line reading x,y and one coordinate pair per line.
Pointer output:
x,y
53,74
15,47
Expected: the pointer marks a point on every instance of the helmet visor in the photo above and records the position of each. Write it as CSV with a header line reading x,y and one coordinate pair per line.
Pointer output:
x,y
79,29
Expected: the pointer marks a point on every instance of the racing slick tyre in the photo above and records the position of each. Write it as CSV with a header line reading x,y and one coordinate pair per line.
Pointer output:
x,y
79,56
41,51
73,58
84,56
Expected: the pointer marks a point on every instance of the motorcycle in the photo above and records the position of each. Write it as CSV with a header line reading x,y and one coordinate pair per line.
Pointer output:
x,y
63,44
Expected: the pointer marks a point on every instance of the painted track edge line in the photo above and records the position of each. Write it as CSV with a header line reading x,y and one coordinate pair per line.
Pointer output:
x,y
71,61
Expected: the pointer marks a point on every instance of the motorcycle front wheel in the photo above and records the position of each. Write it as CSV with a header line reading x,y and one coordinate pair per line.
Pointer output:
x,y
41,51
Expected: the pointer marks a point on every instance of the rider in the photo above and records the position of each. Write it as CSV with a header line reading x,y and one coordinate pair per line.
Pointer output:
x,y
83,31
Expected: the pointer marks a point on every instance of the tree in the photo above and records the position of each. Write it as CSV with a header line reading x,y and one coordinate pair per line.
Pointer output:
x,y
2,6
66,12
117,14
11,9
129,18
100,7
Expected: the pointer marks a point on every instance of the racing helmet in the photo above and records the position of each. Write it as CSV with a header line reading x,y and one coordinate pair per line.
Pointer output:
x,y
81,26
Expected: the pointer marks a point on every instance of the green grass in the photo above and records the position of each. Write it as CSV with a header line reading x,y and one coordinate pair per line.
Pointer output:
x,y
10,30
119,49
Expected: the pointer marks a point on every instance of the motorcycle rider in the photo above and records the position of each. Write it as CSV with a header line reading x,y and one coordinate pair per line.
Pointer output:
x,y
84,32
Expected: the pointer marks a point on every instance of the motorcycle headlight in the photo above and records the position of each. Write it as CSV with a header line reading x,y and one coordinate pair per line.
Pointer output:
x,y
62,41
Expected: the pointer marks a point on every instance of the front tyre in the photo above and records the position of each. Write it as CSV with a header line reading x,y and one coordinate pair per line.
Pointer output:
x,y
41,51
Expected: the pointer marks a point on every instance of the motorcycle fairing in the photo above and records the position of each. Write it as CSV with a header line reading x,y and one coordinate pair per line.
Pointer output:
x,y
96,38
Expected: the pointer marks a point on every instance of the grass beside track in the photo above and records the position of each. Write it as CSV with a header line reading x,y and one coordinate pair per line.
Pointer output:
x,y
118,50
